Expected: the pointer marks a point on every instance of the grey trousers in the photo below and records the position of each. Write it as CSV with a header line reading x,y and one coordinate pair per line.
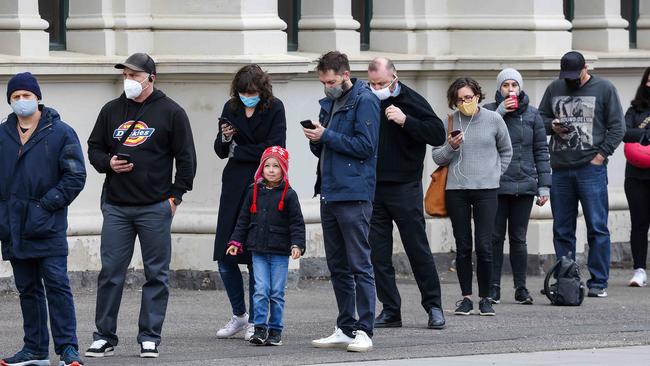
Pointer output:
x,y
152,225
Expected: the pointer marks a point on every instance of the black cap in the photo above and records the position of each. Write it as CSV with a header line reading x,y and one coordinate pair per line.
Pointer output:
x,y
571,65
139,62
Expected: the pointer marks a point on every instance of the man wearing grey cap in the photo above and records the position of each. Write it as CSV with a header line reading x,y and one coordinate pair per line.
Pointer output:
x,y
583,115
136,141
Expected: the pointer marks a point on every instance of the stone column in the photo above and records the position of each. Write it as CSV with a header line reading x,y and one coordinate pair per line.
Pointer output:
x,y
507,28
90,27
218,27
410,26
598,26
327,25
22,31
643,25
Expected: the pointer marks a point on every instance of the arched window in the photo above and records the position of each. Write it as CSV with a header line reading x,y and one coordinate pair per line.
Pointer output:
x,y
362,13
55,12
630,12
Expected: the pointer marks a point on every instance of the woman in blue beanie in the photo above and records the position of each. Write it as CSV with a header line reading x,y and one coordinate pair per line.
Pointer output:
x,y
41,172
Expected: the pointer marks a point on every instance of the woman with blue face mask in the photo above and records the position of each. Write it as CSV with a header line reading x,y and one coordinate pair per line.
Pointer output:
x,y
251,120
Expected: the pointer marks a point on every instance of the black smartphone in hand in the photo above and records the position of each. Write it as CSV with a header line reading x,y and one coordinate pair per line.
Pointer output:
x,y
123,156
307,124
455,133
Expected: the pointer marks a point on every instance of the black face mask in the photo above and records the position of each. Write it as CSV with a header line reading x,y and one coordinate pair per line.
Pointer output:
x,y
572,84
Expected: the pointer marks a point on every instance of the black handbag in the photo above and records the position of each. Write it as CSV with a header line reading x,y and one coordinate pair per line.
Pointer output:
x,y
568,290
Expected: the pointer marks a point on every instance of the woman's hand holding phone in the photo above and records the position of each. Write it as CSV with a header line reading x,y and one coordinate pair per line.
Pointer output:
x,y
226,128
455,138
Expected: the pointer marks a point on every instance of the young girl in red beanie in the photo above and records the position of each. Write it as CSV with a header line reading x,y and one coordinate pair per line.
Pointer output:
x,y
271,226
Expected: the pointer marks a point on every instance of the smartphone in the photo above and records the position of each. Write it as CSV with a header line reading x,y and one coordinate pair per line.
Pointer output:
x,y
455,133
307,124
123,156
562,124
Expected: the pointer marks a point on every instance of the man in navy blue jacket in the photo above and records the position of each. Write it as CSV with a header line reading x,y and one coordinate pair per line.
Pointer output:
x,y
41,172
345,141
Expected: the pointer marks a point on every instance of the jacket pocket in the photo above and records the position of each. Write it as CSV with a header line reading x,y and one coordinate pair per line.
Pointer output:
x,y
5,231
39,222
278,238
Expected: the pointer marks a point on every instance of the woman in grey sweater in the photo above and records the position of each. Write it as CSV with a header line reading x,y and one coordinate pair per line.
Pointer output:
x,y
477,152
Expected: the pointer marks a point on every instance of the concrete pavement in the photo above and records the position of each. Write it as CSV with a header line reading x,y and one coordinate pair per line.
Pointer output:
x,y
193,317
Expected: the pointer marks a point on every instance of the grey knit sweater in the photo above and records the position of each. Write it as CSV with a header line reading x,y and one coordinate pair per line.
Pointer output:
x,y
483,155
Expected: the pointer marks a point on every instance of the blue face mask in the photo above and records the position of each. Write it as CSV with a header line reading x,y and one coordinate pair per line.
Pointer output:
x,y
250,102
24,107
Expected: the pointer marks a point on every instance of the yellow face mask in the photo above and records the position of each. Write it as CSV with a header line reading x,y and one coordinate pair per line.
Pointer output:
x,y
469,108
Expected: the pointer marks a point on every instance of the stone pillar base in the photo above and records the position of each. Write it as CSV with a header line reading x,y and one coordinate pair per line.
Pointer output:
x,y
31,43
398,41
130,41
95,42
507,42
432,42
219,42
606,40
347,41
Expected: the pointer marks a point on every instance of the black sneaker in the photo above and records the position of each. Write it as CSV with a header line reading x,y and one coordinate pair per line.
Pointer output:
x,y
597,292
259,337
274,338
148,349
100,348
485,307
464,306
494,295
522,296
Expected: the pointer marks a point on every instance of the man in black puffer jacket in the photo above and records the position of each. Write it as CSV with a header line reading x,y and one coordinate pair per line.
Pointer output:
x,y
528,174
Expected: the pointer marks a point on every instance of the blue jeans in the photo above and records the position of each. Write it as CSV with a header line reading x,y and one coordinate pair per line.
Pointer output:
x,y
346,226
234,285
270,280
588,185
38,279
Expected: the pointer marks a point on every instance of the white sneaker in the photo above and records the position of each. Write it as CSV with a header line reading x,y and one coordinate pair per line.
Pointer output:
x,y
235,325
362,343
639,279
338,339
250,330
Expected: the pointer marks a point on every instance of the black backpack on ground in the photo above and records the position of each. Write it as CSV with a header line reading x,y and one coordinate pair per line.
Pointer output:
x,y
568,290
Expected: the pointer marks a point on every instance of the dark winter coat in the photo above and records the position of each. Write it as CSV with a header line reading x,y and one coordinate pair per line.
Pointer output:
x,y
269,230
347,150
529,168
637,123
264,129
38,181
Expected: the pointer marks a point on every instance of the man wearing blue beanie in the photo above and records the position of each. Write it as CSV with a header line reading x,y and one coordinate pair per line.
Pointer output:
x,y
41,172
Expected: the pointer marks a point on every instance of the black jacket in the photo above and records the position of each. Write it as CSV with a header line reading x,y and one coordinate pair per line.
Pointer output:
x,y
263,129
637,123
270,230
402,149
529,168
162,135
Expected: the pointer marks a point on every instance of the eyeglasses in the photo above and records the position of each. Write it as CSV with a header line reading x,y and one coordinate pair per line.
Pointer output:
x,y
465,99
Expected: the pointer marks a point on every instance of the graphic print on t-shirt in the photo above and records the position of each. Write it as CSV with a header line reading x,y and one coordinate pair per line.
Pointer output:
x,y
578,113
141,132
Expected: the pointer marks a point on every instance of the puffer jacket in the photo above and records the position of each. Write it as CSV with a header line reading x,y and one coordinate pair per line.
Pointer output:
x,y
38,181
530,167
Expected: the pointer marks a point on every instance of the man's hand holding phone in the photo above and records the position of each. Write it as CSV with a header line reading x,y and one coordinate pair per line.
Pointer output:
x,y
121,163
313,134
561,128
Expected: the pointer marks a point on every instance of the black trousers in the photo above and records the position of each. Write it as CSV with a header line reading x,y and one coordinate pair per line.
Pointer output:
x,y
513,212
462,206
637,192
401,203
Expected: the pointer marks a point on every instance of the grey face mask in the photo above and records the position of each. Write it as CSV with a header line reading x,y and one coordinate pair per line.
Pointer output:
x,y
334,92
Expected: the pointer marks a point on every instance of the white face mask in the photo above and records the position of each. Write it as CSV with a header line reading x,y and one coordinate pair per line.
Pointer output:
x,y
383,93
132,88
